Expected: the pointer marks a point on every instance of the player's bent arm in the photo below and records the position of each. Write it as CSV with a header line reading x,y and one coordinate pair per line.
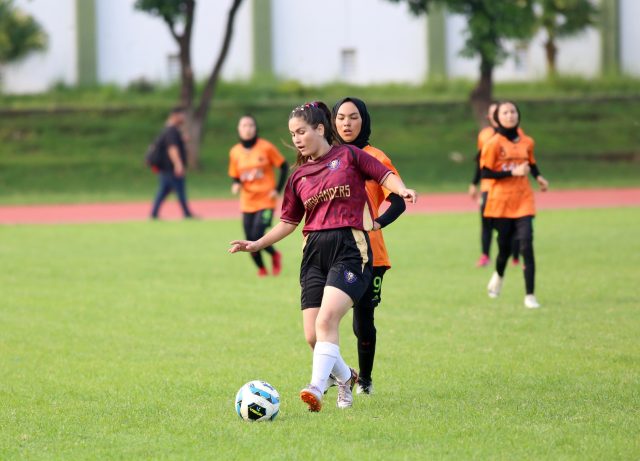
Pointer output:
x,y
277,233
392,213
395,185
174,156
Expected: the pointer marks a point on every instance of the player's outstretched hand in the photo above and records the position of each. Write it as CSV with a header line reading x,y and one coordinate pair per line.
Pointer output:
x,y
474,193
409,195
544,184
241,245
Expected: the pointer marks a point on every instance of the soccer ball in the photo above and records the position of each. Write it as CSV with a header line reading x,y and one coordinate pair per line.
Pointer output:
x,y
257,401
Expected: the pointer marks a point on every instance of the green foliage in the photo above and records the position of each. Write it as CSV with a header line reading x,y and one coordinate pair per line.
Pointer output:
x,y
489,23
562,18
20,34
170,10
129,341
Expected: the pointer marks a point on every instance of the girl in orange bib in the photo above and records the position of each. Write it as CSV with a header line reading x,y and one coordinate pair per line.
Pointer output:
x,y
252,164
507,158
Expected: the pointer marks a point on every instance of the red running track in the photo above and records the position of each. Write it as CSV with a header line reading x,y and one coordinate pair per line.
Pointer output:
x,y
224,209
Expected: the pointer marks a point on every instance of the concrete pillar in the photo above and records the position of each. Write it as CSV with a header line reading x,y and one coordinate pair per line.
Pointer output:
x,y
437,43
262,55
610,32
87,65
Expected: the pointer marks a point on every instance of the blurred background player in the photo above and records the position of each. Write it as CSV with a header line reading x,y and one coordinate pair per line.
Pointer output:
x,y
251,167
507,158
480,195
353,125
173,164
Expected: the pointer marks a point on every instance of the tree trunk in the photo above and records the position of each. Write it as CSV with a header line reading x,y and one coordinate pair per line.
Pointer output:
x,y
194,134
187,86
201,112
196,117
482,94
186,78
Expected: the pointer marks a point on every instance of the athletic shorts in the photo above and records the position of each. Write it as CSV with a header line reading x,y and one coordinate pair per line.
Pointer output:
x,y
340,258
373,295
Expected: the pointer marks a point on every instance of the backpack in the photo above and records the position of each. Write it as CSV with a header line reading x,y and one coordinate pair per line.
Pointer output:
x,y
154,157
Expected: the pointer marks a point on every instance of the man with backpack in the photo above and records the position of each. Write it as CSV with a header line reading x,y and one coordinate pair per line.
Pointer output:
x,y
171,162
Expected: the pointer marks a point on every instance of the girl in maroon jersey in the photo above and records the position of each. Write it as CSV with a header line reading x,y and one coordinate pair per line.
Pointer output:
x,y
327,190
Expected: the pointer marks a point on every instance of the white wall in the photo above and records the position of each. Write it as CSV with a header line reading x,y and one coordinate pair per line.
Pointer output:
x,y
38,71
309,38
630,37
457,66
308,41
580,54
133,44
209,34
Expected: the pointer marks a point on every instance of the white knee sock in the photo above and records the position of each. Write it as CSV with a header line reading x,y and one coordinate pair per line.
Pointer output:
x,y
341,370
325,355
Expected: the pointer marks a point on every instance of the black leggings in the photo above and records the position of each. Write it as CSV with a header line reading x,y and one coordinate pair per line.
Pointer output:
x,y
486,228
255,225
363,323
520,229
486,233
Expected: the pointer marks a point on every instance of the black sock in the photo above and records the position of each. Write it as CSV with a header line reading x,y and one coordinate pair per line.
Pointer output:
x,y
366,355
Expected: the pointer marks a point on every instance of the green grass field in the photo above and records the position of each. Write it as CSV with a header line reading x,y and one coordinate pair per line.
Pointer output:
x,y
97,155
129,341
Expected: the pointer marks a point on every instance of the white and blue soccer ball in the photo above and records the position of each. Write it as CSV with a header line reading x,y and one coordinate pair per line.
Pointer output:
x,y
257,401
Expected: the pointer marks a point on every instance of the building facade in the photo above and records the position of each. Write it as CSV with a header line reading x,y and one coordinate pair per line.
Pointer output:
x,y
354,41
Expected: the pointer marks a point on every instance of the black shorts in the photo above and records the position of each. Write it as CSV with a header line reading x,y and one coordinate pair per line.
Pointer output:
x,y
372,297
339,258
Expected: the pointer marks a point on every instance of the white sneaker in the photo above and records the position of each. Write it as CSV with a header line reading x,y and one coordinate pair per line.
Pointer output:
x,y
531,302
495,286
364,387
345,390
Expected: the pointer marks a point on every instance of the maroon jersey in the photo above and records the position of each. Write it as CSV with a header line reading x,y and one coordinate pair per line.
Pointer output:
x,y
329,192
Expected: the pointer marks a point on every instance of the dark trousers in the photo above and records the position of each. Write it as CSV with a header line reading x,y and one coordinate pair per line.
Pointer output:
x,y
255,225
168,182
486,233
520,230
486,227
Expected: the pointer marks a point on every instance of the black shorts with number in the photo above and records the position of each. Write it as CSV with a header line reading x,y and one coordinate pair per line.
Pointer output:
x,y
373,295
340,258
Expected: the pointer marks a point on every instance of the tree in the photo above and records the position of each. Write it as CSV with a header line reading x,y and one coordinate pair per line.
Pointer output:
x,y
20,34
489,24
562,18
178,15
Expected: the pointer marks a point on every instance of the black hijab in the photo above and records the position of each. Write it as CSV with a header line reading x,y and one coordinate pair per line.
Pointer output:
x,y
510,133
365,130
249,143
